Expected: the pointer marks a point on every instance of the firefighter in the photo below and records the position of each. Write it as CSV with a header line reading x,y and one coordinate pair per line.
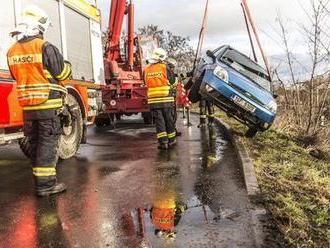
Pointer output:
x,y
167,208
159,79
172,63
173,90
206,112
38,68
165,215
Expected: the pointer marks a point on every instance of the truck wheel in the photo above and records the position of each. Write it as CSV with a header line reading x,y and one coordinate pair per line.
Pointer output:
x,y
71,138
251,132
99,122
118,117
147,118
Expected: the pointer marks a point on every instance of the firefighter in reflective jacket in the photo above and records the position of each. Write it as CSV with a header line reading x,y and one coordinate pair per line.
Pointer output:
x,y
167,208
158,79
165,215
38,67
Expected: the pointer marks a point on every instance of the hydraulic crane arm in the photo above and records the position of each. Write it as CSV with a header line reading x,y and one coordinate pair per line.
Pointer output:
x,y
120,8
116,18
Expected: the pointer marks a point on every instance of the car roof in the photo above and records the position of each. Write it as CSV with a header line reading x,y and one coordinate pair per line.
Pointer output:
x,y
263,70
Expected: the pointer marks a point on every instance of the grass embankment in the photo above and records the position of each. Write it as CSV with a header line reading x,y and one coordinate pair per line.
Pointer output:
x,y
295,186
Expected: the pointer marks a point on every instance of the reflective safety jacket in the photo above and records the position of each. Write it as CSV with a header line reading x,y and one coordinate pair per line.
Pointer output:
x,y
163,218
35,81
157,80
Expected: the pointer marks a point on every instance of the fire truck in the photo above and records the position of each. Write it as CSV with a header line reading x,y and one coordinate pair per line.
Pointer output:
x,y
106,83
76,31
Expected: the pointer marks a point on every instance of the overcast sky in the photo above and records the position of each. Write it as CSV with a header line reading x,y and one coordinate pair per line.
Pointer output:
x,y
226,23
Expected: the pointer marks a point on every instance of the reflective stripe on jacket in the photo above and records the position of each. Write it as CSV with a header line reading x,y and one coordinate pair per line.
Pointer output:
x,y
155,77
25,60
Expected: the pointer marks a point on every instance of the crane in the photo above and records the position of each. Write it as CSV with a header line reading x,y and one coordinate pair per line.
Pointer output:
x,y
125,92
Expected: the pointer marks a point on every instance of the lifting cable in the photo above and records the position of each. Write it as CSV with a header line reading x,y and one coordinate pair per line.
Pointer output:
x,y
254,29
248,20
202,34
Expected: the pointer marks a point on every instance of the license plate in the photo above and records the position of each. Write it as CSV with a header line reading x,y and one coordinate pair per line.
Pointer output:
x,y
244,104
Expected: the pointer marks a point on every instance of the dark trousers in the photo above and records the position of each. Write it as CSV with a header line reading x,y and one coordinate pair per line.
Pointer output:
x,y
206,111
43,135
165,124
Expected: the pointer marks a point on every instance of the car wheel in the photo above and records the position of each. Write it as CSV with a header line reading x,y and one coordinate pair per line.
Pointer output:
x,y
251,132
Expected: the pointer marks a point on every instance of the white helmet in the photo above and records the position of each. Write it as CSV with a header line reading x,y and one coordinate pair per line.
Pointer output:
x,y
34,21
159,54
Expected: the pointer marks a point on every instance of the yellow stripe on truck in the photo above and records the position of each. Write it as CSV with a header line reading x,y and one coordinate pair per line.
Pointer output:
x,y
85,8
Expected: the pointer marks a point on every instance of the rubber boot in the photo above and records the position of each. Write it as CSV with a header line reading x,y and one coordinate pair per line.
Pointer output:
x,y
201,125
172,143
56,189
163,146
211,122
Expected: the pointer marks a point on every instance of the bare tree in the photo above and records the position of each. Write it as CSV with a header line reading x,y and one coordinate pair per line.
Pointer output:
x,y
306,101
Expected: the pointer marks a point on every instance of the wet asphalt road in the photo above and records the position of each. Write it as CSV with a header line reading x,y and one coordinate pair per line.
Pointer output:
x,y
114,183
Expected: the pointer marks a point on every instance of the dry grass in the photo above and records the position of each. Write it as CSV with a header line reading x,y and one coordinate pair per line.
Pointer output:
x,y
295,186
320,141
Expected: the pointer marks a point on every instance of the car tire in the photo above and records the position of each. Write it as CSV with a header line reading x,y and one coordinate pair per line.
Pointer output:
x,y
71,138
251,132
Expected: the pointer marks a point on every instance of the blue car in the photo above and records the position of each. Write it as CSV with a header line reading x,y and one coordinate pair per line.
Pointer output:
x,y
237,85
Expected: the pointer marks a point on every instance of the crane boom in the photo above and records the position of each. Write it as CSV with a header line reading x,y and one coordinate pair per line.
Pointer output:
x,y
117,13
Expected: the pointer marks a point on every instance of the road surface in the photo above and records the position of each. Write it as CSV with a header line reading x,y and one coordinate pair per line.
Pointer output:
x,y
114,183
